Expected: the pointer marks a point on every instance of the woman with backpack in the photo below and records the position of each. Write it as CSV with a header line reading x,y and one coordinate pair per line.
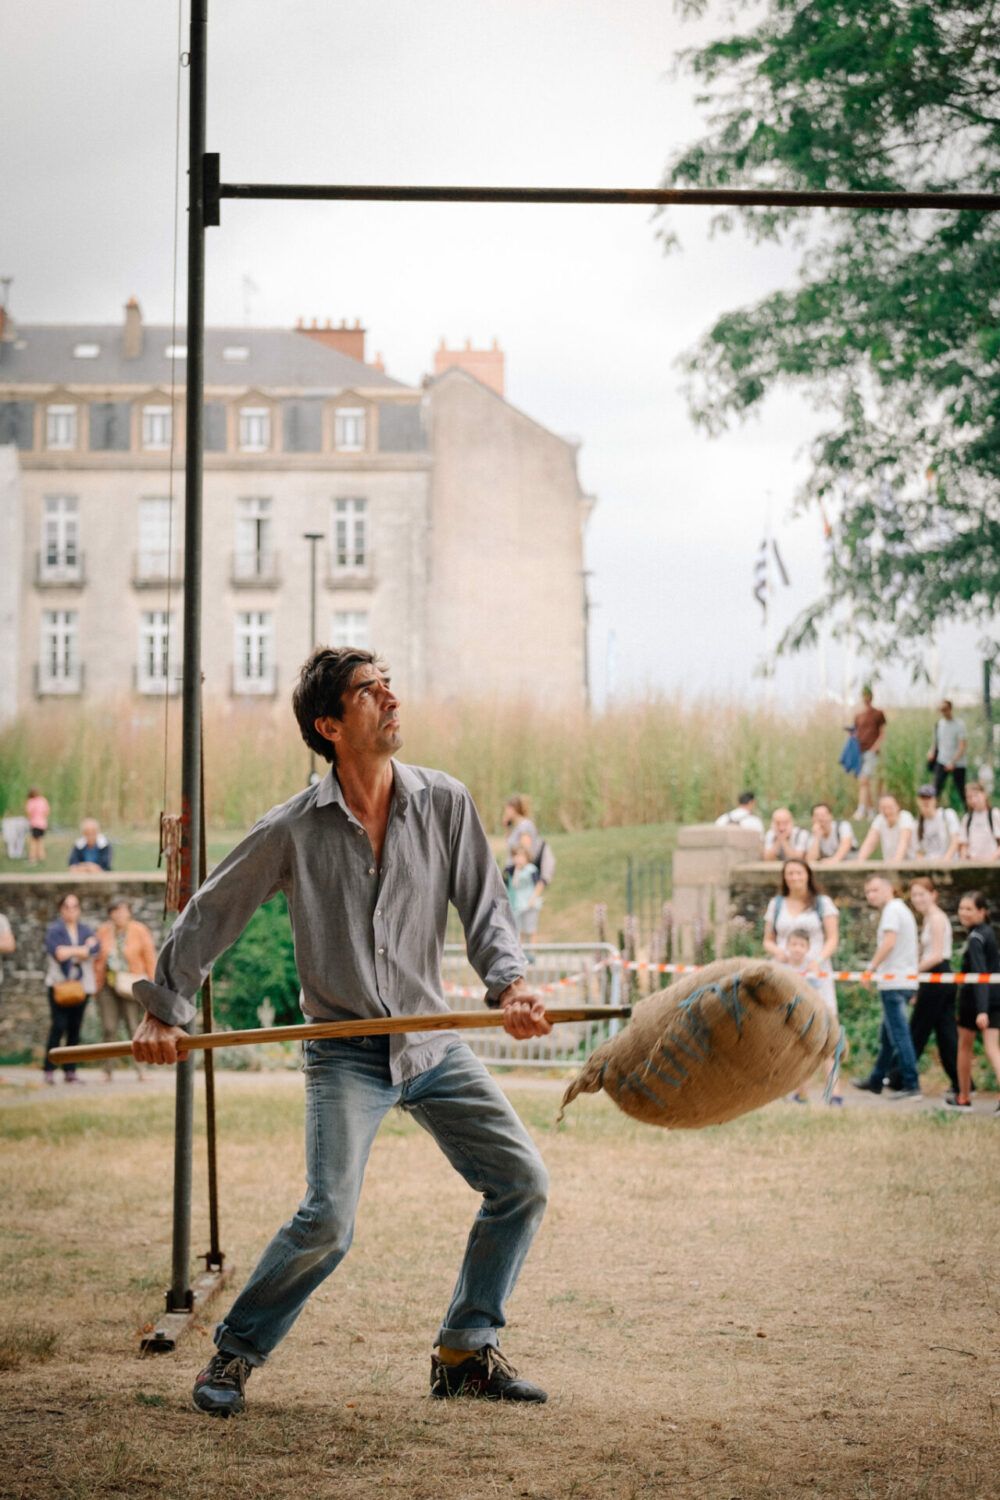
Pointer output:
x,y
979,834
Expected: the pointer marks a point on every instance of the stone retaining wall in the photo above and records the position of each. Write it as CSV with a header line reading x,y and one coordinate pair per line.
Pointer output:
x,y
30,903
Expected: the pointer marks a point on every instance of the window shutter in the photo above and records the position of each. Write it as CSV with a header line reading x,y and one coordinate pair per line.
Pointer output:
x,y
215,427
401,427
17,421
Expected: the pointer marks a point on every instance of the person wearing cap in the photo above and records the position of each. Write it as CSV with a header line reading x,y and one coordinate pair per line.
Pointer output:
x,y
938,830
947,755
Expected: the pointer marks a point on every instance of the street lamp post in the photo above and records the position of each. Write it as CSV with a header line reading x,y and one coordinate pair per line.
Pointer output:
x,y
312,537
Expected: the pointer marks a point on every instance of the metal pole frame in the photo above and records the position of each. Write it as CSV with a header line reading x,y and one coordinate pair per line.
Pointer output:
x,y
312,537
205,192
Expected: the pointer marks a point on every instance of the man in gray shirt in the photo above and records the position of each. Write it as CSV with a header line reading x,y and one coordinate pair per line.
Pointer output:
x,y
947,755
368,860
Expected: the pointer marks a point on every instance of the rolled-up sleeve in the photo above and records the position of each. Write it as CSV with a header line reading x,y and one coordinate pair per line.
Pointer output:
x,y
481,901
212,921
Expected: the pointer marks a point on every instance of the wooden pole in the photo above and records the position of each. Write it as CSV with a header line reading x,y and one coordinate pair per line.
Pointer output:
x,y
448,1020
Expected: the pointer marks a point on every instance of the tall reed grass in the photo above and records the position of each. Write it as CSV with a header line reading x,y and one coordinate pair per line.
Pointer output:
x,y
659,760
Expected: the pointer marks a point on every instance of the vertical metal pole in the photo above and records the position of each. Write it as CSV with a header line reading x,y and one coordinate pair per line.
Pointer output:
x,y
312,537
179,1297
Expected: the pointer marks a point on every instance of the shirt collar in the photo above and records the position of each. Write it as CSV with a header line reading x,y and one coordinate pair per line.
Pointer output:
x,y
405,783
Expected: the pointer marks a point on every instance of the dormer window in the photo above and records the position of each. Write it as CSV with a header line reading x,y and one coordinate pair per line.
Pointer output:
x,y
60,427
255,429
156,427
349,429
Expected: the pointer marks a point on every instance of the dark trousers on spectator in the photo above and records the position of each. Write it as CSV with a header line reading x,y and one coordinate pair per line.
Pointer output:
x,y
933,1012
957,775
66,1022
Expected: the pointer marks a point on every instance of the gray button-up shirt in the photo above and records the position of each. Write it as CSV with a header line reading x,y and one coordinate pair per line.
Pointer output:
x,y
368,941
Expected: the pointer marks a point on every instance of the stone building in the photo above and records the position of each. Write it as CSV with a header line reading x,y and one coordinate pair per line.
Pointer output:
x,y
438,505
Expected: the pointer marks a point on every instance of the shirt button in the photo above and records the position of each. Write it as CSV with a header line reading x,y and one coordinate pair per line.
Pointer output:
x,y
379,912
381,950
371,869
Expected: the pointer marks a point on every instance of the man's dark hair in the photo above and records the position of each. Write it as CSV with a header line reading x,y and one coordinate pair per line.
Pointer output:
x,y
319,692
822,804
745,797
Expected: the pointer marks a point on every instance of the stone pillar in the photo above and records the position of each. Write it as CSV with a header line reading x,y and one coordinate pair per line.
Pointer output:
x,y
704,859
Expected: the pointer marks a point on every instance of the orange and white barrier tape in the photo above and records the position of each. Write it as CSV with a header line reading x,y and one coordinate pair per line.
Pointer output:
x,y
856,975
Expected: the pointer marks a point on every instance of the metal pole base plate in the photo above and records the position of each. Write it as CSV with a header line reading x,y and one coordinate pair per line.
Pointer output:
x,y
172,1326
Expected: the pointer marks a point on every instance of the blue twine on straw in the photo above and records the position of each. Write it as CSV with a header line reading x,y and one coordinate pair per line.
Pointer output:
x,y
838,1053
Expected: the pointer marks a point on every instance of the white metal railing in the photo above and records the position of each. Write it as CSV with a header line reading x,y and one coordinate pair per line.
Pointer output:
x,y
569,974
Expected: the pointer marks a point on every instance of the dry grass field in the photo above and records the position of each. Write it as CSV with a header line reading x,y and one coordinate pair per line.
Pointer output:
x,y
802,1303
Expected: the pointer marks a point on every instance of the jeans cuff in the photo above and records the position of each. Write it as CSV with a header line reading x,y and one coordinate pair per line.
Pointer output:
x,y
228,1342
468,1338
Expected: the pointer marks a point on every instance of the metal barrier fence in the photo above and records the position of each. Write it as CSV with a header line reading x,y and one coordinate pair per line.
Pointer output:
x,y
569,973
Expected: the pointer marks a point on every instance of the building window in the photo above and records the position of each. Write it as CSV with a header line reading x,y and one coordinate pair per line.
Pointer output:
x,y
254,670
60,666
153,561
60,427
350,628
254,556
156,427
255,429
349,430
350,536
155,642
61,559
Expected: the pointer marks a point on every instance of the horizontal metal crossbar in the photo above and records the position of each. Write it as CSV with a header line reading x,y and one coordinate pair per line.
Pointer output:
x,y
629,197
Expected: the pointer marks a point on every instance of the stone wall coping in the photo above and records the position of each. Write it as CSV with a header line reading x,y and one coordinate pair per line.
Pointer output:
x,y
849,867
106,881
716,836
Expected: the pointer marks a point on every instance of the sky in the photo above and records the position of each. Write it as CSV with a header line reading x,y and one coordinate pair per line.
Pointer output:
x,y
591,314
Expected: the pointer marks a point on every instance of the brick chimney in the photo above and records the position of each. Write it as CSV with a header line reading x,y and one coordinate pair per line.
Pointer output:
x,y
132,334
349,341
486,365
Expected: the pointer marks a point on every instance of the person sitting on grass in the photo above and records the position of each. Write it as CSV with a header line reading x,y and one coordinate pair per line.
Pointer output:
x,y
978,1004
895,968
832,838
893,828
91,853
797,946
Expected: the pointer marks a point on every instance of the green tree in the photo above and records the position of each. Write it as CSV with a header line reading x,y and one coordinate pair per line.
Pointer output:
x,y
894,322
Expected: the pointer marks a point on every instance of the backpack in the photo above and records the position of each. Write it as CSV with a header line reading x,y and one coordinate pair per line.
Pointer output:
x,y
994,815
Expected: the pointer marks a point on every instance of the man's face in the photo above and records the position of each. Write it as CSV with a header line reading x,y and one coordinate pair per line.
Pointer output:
x,y
946,710
70,909
823,817
782,821
877,893
90,830
370,723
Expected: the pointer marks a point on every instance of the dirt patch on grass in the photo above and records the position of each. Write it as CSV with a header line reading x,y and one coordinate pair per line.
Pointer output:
x,y
801,1303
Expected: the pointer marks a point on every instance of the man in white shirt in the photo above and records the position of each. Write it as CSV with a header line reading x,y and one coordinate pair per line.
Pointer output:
x,y
937,834
893,828
895,966
947,754
743,815
832,838
784,840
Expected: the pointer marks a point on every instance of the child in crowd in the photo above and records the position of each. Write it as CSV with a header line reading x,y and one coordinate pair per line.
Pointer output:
x,y
524,892
37,811
797,947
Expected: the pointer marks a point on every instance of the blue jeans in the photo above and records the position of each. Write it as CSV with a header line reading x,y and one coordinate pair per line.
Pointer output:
x,y
895,1040
348,1094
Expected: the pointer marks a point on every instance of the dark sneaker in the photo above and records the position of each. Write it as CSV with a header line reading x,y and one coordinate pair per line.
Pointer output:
x,y
903,1094
866,1085
220,1387
487,1374
952,1101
